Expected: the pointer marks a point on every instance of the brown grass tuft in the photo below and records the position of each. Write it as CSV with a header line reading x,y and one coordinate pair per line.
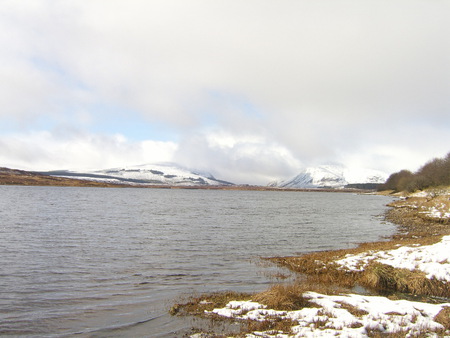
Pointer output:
x,y
355,311
402,333
197,305
273,325
283,297
385,277
443,317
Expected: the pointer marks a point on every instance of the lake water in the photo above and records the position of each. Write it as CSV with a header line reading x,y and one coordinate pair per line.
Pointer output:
x,y
110,262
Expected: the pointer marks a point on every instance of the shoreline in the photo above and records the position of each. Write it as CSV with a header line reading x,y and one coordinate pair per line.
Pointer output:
x,y
331,297
15,177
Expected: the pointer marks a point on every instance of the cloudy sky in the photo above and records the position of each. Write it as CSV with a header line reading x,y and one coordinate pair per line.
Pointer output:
x,y
249,90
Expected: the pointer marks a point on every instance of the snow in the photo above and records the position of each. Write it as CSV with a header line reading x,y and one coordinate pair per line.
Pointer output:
x,y
432,192
433,260
236,308
333,176
364,175
331,318
352,315
433,204
159,174
165,173
434,212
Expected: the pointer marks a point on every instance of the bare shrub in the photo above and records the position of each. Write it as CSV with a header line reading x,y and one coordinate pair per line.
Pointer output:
x,y
432,174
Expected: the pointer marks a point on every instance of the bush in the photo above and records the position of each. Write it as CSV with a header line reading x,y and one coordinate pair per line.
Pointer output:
x,y
433,174
397,181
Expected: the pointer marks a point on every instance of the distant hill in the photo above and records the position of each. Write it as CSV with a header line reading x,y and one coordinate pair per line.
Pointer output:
x,y
149,174
334,177
21,177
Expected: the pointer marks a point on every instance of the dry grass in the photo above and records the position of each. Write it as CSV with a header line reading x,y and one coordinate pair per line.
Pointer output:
x,y
375,276
417,209
197,305
384,277
283,297
278,297
443,317
273,325
20,177
400,334
357,312
320,274
414,229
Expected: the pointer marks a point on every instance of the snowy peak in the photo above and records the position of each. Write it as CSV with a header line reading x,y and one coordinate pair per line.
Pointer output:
x,y
149,174
333,176
354,176
325,176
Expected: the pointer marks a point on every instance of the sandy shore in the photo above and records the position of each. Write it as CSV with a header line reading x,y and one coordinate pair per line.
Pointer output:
x,y
412,269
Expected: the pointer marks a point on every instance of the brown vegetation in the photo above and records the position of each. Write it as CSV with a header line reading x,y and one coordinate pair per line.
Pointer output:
x,y
284,297
433,174
27,178
443,317
197,305
318,272
20,177
415,228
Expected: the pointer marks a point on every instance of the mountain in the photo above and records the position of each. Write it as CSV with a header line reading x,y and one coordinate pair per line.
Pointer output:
x,y
333,176
149,174
21,177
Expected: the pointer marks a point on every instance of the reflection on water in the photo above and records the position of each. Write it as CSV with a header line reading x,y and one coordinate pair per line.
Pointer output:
x,y
108,262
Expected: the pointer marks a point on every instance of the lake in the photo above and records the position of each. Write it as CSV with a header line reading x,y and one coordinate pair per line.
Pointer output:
x,y
107,262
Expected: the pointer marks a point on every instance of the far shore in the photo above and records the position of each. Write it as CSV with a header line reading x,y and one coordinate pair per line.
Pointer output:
x,y
338,292
28,178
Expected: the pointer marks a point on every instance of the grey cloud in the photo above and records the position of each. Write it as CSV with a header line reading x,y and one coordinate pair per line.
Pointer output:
x,y
329,79
237,158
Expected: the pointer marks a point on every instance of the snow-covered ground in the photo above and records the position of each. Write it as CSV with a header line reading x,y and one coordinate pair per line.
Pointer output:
x,y
433,203
434,259
348,315
352,315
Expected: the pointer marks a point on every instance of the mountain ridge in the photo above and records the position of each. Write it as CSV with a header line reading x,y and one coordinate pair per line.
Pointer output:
x,y
147,174
334,176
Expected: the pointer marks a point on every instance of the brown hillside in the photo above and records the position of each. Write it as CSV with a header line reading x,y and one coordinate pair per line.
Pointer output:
x,y
20,177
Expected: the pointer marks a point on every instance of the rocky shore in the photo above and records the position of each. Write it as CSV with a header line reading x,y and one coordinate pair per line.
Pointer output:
x,y
394,288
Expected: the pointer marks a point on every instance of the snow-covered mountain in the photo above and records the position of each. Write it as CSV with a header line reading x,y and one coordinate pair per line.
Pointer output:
x,y
149,174
332,176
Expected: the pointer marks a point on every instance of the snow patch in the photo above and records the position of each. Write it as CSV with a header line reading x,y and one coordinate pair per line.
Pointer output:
x,y
433,260
149,174
332,318
332,176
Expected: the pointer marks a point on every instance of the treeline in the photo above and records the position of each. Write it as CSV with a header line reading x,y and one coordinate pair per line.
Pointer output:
x,y
433,174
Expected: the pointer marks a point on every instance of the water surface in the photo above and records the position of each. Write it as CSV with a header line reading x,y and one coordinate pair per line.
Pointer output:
x,y
110,262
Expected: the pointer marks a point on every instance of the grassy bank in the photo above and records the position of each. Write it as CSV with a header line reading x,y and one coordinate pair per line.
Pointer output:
x,y
412,270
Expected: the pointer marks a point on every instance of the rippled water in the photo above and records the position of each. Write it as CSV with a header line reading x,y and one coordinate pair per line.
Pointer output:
x,y
110,262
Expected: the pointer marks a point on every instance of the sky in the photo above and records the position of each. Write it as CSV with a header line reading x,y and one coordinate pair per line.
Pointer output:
x,y
250,91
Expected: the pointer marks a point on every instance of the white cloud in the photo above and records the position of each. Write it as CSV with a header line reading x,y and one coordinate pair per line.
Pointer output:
x,y
70,149
293,82
237,158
